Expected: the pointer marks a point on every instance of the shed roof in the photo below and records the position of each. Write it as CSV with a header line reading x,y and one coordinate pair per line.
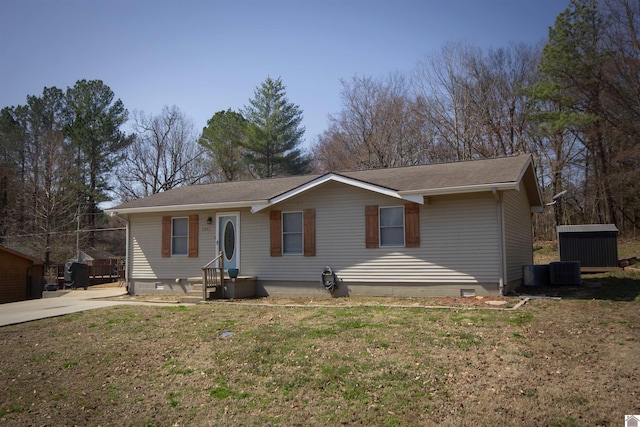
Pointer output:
x,y
20,254
93,254
404,182
587,228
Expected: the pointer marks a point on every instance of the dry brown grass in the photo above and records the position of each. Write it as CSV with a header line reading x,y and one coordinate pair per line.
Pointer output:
x,y
569,362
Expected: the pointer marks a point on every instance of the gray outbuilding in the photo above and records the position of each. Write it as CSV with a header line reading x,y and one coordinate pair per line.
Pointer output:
x,y
594,245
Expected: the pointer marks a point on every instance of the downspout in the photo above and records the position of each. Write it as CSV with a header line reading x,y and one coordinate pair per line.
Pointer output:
x,y
501,242
126,256
126,251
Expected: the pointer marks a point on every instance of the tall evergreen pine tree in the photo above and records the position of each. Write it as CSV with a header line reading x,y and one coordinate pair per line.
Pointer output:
x,y
274,134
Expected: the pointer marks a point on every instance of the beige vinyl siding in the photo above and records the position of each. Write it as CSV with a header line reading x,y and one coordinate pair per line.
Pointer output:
x,y
146,248
518,235
458,242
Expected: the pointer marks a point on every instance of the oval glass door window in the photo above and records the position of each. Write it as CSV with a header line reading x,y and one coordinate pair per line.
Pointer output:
x,y
229,240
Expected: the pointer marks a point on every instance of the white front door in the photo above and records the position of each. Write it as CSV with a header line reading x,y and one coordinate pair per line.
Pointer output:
x,y
228,238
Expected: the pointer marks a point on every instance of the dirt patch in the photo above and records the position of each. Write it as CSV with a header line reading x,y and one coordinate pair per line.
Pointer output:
x,y
469,302
466,302
110,285
478,302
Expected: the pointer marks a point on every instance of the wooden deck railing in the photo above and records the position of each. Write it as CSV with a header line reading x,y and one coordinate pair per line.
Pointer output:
x,y
213,276
99,273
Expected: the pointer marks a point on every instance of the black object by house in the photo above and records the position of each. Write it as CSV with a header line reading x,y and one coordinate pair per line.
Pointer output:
x,y
594,245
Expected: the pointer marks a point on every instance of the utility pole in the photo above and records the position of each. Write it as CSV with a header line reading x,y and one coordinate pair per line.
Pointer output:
x,y
78,236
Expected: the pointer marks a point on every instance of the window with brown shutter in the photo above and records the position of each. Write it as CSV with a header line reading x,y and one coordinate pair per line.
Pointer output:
x,y
412,225
193,236
371,227
171,241
309,232
166,236
275,220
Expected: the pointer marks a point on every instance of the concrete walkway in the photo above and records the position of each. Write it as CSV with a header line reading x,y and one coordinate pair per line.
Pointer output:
x,y
68,302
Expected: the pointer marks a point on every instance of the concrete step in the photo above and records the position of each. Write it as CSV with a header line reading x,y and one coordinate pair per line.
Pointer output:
x,y
190,299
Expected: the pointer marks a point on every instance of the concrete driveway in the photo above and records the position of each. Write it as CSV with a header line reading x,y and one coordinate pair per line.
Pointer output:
x,y
67,302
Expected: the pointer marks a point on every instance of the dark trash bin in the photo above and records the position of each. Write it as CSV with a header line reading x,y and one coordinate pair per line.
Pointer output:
x,y
35,286
67,273
76,275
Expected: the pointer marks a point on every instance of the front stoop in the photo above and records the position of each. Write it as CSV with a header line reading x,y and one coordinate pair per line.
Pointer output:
x,y
242,287
194,296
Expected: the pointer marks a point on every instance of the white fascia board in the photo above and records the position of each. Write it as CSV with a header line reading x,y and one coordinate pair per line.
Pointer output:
x,y
525,169
531,165
189,207
336,178
461,189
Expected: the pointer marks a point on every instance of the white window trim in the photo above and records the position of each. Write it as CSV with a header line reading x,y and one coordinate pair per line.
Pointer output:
x,y
404,242
301,233
173,235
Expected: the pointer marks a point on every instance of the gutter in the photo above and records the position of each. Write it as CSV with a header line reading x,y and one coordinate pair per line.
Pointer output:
x,y
182,208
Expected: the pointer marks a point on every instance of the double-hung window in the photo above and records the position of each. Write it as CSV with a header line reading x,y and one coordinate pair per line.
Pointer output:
x,y
397,226
392,226
292,233
179,236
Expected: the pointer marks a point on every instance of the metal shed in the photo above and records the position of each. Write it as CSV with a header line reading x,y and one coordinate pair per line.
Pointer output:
x,y
594,245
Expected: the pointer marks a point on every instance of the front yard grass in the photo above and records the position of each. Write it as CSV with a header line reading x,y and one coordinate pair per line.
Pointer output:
x,y
568,362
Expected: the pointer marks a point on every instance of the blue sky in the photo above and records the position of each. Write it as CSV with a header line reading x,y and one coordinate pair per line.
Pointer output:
x,y
207,56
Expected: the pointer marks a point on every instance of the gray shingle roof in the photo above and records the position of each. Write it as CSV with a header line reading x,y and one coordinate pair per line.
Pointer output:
x,y
445,175
412,178
224,192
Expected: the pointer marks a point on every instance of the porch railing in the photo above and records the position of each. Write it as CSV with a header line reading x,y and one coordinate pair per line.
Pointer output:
x,y
213,276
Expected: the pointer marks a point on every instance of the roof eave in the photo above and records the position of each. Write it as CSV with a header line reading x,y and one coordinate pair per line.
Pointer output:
x,y
528,174
478,188
471,189
22,255
187,207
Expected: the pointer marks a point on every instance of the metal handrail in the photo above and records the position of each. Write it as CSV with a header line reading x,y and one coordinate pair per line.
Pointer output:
x,y
212,276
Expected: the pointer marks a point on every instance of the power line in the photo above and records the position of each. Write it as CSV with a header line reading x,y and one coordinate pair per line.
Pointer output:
x,y
64,232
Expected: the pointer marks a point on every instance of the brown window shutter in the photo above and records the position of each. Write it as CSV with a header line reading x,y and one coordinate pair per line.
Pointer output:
x,y
371,227
166,236
309,220
412,225
276,233
193,236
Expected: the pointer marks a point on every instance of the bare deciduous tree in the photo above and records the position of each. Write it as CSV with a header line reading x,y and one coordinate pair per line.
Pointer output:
x,y
164,155
622,36
442,85
378,127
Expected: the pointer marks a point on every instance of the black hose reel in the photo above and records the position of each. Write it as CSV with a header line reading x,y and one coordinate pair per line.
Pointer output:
x,y
329,279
